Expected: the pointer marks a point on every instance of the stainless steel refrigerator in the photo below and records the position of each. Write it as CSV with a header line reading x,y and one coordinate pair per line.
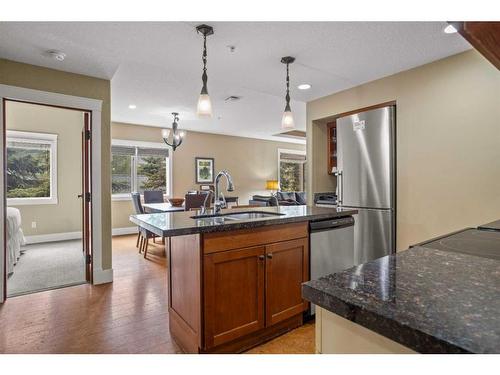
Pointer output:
x,y
366,179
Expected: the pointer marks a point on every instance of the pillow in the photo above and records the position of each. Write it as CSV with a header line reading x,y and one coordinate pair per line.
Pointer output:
x,y
300,197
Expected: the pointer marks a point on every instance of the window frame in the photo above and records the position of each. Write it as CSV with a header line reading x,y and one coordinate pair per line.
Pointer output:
x,y
143,144
289,151
38,138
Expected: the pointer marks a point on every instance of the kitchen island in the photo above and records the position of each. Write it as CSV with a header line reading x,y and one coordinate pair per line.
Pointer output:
x,y
235,278
419,300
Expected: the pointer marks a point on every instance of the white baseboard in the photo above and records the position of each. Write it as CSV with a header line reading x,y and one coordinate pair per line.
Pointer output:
x,y
123,231
53,237
102,276
65,236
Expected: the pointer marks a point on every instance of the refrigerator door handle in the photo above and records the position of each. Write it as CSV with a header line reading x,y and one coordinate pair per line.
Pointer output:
x,y
340,186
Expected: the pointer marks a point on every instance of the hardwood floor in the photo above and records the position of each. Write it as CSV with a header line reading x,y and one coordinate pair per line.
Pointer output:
x,y
128,316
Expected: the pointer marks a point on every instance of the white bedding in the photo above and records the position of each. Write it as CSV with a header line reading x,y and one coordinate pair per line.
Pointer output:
x,y
15,238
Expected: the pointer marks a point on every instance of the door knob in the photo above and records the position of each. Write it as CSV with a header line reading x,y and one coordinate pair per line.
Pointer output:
x,y
270,255
261,257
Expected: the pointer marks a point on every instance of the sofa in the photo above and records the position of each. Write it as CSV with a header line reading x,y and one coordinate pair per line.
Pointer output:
x,y
282,198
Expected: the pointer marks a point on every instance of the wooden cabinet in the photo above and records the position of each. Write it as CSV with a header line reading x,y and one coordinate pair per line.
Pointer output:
x,y
234,294
483,36
229,291
286,269
249,289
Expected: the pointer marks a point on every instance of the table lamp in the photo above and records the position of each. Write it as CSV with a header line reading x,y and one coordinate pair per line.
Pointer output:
x,y
272,185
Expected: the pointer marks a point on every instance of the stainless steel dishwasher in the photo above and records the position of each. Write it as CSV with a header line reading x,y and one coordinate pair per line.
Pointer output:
x,y
332,247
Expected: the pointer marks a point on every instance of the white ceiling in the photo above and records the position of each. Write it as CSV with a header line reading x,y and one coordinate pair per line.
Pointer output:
x,y
157,65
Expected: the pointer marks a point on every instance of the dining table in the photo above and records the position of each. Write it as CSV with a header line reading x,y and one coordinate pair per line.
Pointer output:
x,y
152,208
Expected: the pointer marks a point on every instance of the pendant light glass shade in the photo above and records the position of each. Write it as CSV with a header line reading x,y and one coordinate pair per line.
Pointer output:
x,y
165,133
287,120
204,108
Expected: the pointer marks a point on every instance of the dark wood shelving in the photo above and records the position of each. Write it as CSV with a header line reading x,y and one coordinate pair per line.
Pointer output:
x,y
332,146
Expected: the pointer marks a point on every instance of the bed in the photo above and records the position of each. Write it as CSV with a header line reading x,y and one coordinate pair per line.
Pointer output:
x,y
15,238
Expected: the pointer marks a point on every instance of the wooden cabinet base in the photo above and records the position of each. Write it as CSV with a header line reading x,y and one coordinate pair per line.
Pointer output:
x,y
231,291
247,342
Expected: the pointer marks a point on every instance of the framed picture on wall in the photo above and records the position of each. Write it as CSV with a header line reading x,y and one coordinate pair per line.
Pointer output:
x,y
204,169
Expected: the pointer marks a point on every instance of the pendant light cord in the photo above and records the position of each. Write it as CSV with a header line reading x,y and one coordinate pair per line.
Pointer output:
x,y
204,76
287,97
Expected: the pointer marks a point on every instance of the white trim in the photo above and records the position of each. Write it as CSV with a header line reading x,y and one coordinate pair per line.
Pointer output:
x,y
76,102
38,138
133,143
53,237
124,231
103,276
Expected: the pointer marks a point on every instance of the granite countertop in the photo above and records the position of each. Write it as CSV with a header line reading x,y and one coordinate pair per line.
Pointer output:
x,y
429,300
170,224
494,225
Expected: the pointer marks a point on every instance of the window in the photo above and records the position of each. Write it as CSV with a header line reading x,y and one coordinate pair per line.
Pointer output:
x,y
292,170
31,168
139,166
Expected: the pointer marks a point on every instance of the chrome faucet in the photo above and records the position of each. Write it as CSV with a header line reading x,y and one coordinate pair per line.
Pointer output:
x,y
218,202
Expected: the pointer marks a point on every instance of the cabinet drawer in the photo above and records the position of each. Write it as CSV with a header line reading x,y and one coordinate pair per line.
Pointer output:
x,y
222,241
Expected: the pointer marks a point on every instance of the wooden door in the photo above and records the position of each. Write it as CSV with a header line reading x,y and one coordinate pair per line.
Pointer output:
x,y
287,267
234,294
86,196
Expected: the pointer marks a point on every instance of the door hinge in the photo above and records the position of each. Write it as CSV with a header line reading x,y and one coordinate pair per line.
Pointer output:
x,y
88,259
87,134
88,197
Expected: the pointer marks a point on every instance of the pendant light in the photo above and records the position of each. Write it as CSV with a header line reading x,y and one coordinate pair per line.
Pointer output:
x,y
204,108
174,137
287,119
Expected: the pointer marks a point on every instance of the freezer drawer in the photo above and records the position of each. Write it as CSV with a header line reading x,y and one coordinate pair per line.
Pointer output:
x,y
373,234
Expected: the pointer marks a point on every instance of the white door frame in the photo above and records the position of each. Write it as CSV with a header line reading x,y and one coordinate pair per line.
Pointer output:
x,y
76,102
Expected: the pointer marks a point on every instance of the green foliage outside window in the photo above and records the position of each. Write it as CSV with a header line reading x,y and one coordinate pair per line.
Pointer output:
x,y
290,176
28,172
152,173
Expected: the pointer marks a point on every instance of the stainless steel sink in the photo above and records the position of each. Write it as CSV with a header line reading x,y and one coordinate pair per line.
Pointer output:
x,y
238,215
251,215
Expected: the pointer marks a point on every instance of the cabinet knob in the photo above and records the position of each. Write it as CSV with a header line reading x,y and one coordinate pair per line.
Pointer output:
x,y
270,255
261,257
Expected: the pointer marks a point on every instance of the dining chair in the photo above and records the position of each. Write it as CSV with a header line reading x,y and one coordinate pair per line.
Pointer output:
x,y
153,196
196,201
143,234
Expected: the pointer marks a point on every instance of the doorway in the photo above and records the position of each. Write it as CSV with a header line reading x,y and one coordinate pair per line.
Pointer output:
x,y
47,154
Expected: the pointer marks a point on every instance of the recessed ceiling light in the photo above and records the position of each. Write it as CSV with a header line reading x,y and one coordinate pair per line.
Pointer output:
x,y
450,29
304,86
132,106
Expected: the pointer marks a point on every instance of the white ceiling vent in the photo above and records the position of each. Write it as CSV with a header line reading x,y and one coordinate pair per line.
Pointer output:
x,y
232,98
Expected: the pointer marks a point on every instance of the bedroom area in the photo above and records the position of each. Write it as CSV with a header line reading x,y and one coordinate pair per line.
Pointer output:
x,y
44,202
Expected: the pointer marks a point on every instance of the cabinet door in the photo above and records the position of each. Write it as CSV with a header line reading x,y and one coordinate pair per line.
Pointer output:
x,y
234,294
287,267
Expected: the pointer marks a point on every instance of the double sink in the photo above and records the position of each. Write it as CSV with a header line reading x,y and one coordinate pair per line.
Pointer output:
x,y
229,216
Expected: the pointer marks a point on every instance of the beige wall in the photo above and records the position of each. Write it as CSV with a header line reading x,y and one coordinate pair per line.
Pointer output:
x,y
448,143
250,161
65,216
38,78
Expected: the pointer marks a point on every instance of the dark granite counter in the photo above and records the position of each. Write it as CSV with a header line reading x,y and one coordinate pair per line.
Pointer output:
x,y
170,224
494,225
429,300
